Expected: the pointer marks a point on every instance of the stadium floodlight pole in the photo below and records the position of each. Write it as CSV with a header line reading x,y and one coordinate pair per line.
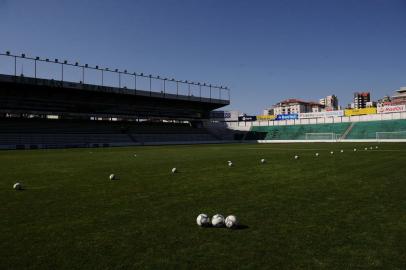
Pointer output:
x,y
96,68
135,82
62,63
15,65
86,66
165,86
200,90
210,91
35,67
150,85
125,72
22,72
76,64
56,61
177,88
83,74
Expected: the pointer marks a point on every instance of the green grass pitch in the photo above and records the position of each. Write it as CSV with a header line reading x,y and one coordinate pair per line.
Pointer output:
x,y
341,211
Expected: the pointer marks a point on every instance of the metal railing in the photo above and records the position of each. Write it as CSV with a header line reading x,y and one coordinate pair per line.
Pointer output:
x,y
215,92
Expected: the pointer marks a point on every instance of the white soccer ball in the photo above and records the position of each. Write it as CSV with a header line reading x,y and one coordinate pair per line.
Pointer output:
x,y
174,170
332,153
18,186
317,154
231,221
342,151
203,220
296,157
263,160
112,177
217,220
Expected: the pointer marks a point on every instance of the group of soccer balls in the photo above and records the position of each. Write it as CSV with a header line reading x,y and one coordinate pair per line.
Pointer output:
x,y
218,221
19,186
341,151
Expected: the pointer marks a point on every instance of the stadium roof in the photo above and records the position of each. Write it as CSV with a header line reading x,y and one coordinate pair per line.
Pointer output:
x,y
128,94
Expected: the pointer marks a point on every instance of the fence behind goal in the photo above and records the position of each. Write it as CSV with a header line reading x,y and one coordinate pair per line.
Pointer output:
x,y
391,135
322,136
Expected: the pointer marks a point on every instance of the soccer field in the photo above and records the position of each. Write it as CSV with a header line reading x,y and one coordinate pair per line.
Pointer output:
x,y
341,211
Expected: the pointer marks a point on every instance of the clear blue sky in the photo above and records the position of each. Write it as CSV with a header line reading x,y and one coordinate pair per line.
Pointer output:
x,y
265,51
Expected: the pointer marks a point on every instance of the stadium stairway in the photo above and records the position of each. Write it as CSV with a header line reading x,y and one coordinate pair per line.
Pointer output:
x,y
222,132
132,137
345,134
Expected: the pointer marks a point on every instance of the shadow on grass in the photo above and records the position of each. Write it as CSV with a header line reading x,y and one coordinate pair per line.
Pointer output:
x,y
239,227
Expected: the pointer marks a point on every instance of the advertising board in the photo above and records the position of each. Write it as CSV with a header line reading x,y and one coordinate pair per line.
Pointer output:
x,y
391,109
322,114
265,117
291,116
362,111
247,118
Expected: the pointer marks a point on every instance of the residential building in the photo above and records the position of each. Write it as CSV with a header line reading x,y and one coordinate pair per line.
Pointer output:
x,y
268,111
400,97
296,106
385,101
330,102
370,104
361,99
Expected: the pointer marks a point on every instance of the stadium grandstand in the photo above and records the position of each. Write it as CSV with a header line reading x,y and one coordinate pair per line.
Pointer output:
x,y
386,123
391,129
83,106
58,104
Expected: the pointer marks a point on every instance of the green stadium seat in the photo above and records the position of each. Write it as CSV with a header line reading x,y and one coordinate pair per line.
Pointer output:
x,y
359,130
368,130
294,132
